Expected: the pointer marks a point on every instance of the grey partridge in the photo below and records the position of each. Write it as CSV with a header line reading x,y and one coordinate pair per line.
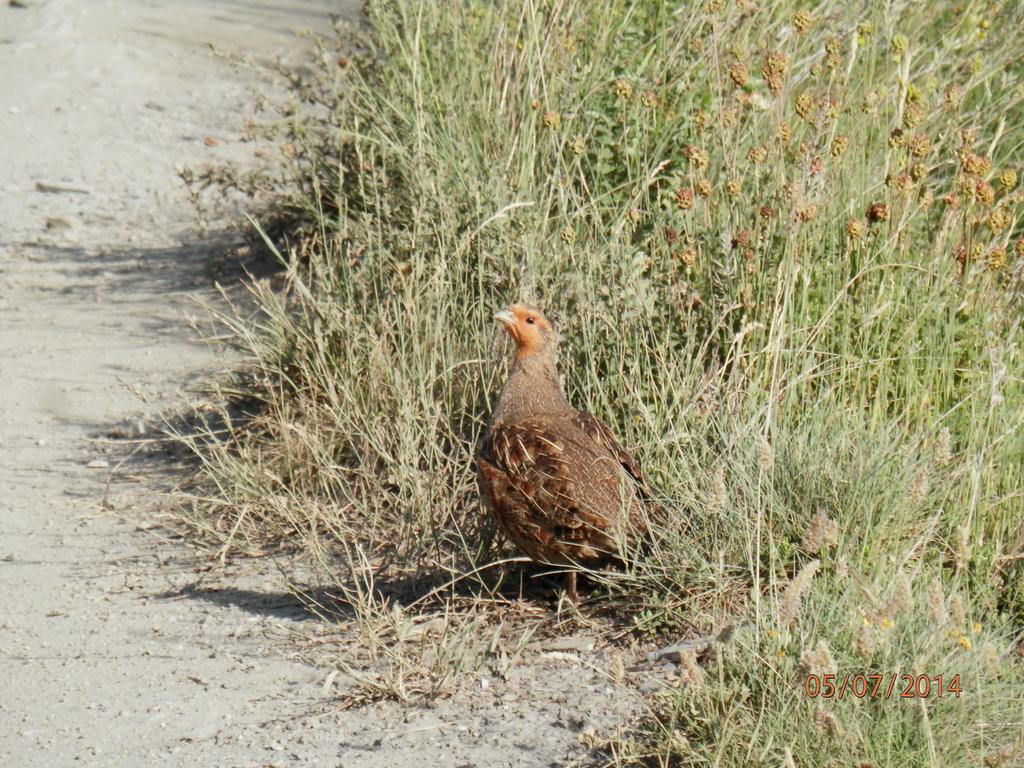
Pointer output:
x,y
556,480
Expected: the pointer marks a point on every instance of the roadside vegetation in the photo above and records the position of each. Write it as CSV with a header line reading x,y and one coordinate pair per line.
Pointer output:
x,y
782,243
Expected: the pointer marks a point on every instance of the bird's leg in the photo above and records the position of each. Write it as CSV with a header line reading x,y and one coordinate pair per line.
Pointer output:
x,y
570,588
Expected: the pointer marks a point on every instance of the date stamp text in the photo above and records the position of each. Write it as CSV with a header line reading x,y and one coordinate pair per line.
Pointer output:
x,y
879,686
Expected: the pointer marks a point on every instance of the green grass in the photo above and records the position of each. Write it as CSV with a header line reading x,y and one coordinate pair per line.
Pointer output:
x,y
795,292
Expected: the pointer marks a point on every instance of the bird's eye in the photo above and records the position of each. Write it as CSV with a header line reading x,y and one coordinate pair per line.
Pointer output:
x,y
530,320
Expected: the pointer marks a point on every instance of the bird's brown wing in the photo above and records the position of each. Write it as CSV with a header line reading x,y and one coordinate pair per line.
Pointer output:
x,y
598,431
550,494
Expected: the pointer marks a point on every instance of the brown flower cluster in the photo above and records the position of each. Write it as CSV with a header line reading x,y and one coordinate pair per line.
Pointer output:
x,y
774,71
684,198
877,212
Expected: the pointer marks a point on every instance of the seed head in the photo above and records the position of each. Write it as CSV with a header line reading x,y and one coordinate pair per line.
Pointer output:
x,y
792,598
903,595
865,642
1008,179
1001,757
783,132
920,145
963,545
1019,248
912,115
703,187
826,722
944,447
839,145
985,193
734,187
996,260
999,219
568,235
578,145
649,99
739,74
818,661
807,212
623,89
757,155
899,44
804,106
877,212
936,604
719,494
698,156
918,171
822,532
855,229
802,21
552,120
688,256
973,164
774,71
919,487
684,198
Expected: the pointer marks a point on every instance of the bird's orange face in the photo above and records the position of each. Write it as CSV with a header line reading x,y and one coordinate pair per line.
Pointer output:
x,y
530,330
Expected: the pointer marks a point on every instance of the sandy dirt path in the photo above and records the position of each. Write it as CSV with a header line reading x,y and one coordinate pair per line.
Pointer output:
x,y
100,663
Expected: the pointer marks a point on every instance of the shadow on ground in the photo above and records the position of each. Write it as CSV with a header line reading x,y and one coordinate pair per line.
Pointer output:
x,y
147,448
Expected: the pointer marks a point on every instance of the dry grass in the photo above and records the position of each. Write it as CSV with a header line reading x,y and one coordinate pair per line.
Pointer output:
x,y
784,250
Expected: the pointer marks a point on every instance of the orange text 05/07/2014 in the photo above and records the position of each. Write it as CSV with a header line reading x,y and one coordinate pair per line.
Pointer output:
x,y
882,686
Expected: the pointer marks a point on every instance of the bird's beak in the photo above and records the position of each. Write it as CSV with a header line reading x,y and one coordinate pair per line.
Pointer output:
x,y
506,318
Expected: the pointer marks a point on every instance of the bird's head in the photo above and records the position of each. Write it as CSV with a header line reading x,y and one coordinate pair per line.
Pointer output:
x,y
530,330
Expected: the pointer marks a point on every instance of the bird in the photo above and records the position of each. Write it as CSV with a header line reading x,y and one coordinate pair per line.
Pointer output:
x,y
555,479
